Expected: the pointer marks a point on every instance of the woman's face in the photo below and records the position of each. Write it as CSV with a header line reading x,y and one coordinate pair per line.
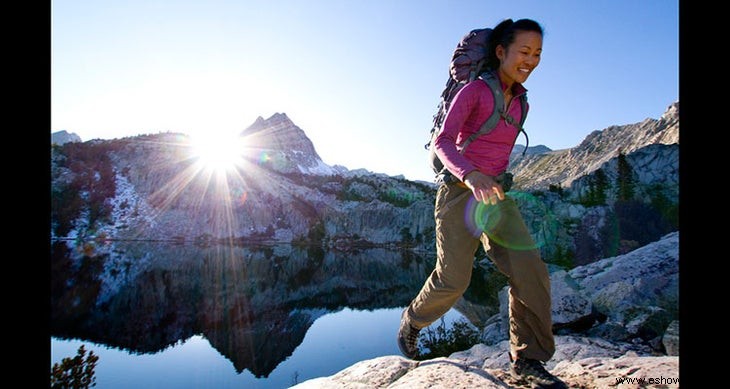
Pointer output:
x,y
520,58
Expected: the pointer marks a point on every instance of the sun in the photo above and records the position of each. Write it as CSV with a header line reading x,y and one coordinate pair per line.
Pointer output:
x,y
218,152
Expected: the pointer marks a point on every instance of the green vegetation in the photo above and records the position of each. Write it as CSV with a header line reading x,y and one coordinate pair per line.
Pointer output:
x,y
625,181
396,198
563,257
597,187
349,194
442,341
395,191
76,372
661,202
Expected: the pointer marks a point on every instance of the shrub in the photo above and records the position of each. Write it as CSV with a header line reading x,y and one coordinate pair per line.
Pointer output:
x,y
76,372
442,342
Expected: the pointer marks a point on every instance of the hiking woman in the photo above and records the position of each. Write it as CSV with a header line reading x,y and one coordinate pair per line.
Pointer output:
x,y
476,210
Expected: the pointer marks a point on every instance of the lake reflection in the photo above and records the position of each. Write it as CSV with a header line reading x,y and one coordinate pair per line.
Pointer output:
x,y
254,306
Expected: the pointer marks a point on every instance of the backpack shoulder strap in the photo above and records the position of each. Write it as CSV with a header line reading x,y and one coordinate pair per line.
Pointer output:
x,y
521,128
523,104
491,122
496,88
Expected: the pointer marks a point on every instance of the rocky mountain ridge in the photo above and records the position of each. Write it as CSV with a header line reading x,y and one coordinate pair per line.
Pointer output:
x,y
562,167
152,187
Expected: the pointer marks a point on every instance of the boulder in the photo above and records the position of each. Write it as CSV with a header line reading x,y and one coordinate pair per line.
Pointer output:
x,y
582,362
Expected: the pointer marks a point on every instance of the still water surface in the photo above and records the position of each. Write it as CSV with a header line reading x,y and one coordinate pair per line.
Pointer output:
x,y
166,316
334,342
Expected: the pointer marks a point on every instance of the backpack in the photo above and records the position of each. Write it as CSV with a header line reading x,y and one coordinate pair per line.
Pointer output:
x,y
467,65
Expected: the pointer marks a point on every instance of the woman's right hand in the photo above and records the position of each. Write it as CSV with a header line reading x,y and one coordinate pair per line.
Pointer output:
x,y
485,188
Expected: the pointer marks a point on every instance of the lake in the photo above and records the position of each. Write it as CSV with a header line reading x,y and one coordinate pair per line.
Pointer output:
x,y
160,315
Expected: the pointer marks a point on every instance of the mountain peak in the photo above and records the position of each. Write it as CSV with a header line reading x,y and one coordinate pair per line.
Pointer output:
x,y
279,136
63,136
672,111
275,120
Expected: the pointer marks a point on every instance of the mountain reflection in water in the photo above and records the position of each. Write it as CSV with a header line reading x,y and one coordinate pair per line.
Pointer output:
x,y
253,305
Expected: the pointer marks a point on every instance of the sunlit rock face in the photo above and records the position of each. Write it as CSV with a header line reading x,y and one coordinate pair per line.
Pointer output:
x,y
538,170
653,165
154,187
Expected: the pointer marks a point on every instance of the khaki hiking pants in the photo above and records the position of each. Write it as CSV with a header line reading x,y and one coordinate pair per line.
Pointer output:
x,y
510,247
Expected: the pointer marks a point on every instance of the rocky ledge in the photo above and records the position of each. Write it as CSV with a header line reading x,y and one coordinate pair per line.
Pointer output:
x,y
616,322
582,362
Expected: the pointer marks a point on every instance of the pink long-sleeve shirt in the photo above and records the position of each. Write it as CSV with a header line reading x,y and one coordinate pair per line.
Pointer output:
x,y
488,153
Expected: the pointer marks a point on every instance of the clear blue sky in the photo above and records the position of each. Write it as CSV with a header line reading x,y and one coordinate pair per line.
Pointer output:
x,y
361,78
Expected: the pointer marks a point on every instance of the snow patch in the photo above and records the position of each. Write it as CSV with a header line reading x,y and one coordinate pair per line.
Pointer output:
x,y
127,207
320,168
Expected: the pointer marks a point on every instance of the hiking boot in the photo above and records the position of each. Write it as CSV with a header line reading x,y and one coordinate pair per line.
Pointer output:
x,y
533,372
408,337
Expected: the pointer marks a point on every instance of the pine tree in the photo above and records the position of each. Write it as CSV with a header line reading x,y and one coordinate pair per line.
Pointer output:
x,y
597,185
625,180
76,372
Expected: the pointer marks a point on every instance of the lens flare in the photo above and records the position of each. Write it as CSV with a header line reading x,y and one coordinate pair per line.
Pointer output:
x,y
239,195
264,158
498,222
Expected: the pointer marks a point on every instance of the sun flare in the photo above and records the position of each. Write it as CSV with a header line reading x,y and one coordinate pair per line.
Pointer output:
x,y
217,152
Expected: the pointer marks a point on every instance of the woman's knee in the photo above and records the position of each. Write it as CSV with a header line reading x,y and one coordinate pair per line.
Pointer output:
x,y
454,281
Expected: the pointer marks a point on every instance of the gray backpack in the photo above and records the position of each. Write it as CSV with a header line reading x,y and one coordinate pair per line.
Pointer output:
x,y
467,65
